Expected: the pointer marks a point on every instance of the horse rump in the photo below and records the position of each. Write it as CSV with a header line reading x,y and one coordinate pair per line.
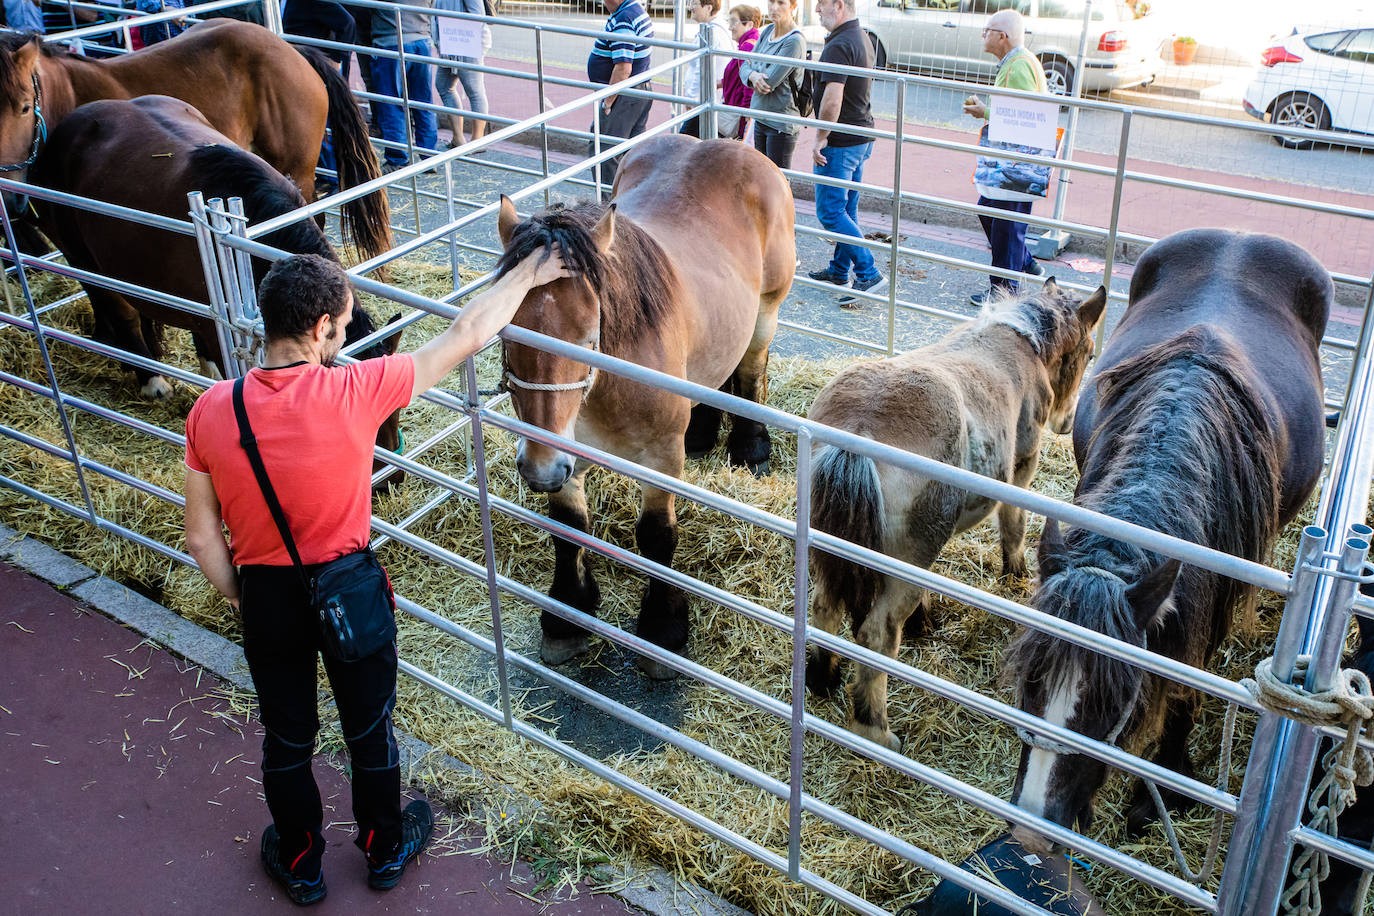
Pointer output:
x,y
846,501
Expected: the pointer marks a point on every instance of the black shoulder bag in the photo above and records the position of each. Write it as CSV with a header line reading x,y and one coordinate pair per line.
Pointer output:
x,y
351,595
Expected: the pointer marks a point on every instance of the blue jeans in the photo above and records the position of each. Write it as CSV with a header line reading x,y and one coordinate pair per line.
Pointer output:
x,y
391,117
838,209
1007,239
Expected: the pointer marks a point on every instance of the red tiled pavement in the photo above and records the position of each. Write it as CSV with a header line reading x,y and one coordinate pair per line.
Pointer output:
x,y
1341,243
129,788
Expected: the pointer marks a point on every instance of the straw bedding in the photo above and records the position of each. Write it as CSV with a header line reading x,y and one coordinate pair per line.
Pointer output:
x,y
580,822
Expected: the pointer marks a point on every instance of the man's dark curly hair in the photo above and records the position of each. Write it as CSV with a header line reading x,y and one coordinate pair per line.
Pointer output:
x,y
297,291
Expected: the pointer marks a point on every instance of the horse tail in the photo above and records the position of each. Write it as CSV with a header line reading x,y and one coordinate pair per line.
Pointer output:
x,y
846,501
367,220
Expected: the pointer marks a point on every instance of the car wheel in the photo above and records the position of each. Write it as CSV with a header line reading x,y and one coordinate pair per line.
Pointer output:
x,y
1059,76
879,52
1299,109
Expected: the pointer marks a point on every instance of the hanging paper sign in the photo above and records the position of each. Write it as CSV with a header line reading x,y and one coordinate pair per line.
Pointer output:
x,y
1022,122
460,37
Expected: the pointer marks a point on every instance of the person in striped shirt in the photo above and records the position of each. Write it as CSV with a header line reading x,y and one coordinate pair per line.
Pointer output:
x,y
616,57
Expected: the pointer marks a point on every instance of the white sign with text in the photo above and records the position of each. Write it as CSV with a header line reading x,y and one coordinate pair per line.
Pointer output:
x,y
1023,122
460,37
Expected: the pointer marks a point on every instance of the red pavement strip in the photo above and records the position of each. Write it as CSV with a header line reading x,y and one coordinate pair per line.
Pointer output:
x,y
130,788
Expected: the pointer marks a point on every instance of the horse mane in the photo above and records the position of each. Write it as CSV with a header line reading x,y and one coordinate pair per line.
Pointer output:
x,y
632,280
10,86
1183,446
227,171
1035,317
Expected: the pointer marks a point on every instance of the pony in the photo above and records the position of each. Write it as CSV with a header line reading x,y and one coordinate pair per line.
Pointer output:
x,y
978,399
249,84
1203,420
682,272
148,153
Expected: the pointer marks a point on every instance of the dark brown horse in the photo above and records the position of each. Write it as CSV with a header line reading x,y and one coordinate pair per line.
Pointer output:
x,y
683,272
149,153
1204,421
979,399
256,89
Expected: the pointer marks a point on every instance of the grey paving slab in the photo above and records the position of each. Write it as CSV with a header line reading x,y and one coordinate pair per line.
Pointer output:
x,y
46,563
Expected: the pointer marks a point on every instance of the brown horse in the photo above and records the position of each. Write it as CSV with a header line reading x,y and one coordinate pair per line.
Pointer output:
x,y
149,153
1204,421
256,89
683,272
979,399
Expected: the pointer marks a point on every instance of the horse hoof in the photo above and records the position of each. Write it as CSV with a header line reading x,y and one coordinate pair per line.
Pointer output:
x,y
156,388
884,738
558,651
759,470
656,670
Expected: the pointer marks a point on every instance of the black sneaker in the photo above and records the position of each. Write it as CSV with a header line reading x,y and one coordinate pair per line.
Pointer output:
x,y
1033,268
299,890
417,823
981,299
850,302
827,276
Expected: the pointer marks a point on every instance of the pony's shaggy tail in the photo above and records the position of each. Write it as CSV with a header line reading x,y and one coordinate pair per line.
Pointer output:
x,y
846,501
367,220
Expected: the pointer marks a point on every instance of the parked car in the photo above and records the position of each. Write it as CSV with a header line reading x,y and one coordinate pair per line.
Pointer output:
x,y
946,37
1323,80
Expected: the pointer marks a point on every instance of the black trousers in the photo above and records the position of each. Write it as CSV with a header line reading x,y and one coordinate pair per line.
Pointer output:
x,y
628,118
281,640
777,145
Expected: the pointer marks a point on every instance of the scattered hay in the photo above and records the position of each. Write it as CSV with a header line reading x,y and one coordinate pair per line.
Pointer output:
x,y
580,820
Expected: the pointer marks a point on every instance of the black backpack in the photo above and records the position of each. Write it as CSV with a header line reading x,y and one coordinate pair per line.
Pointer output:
x,y
804,92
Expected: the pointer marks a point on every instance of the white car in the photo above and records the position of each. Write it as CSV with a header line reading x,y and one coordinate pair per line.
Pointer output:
x,y
1322,80
946,37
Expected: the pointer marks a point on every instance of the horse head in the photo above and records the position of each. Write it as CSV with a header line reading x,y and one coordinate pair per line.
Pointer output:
x,y
1069,350
23,120
547,390
1074,687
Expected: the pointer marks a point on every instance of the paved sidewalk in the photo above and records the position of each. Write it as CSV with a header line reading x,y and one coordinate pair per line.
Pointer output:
x,y
131,787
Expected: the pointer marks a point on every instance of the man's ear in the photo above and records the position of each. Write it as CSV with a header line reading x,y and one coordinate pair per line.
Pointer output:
x,y
320,332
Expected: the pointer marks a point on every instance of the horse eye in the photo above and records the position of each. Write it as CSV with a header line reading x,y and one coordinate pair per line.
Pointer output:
x,y
26,109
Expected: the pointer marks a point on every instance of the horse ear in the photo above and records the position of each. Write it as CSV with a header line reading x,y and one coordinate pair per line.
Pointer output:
x,y
1146,595
604,231
1090,311
26,54
393,343
1051,285
1049,553
506,221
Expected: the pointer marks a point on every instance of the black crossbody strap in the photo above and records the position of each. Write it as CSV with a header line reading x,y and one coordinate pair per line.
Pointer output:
x,y
250,445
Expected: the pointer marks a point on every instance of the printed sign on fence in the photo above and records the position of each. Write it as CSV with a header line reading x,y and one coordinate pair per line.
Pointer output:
x,y
460,37
1022,122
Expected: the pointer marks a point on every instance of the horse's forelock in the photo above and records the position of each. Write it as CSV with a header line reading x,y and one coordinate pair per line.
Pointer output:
x,y
361,326
1085,596
568,227
1043,318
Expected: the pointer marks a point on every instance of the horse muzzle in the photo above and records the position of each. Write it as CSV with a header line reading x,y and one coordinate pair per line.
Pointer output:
x,y
546,473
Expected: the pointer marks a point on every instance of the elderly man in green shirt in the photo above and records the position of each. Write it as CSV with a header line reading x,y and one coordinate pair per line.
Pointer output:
x,y
1020,69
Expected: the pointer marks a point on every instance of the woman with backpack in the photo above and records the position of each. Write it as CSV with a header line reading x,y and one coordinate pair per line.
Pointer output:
x,y
775,85
744,24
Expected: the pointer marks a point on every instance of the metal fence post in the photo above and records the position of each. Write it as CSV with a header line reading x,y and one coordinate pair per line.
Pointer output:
x,y
1113,226
799,608
230,309
898,139
1057,238
271,16
543,127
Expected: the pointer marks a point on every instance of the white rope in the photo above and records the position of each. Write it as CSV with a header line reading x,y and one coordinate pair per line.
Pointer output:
x,y
511,379
1349,703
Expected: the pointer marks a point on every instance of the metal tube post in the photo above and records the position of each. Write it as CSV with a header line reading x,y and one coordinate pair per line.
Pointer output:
x,y
800,590
479,456
57,396
271,16
1058,237
404,85
543,126
229,309
1118,185
898,138
596,151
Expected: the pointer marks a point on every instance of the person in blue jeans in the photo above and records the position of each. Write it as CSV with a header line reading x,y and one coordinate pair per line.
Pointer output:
x,y
407,30
844,99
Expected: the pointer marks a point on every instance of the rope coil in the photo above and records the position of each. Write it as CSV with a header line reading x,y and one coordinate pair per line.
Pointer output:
x,y
1348,704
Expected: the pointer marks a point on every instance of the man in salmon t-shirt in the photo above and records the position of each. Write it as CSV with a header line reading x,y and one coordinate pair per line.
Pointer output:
x,y
315,426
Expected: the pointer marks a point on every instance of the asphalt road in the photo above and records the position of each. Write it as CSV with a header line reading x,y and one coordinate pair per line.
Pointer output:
x,y
1161,139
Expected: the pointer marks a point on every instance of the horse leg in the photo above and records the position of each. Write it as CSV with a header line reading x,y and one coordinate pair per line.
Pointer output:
x,y
704,427
663,609
1011,525
823,667
572,580
749,443
119,324
881,631
1172,753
